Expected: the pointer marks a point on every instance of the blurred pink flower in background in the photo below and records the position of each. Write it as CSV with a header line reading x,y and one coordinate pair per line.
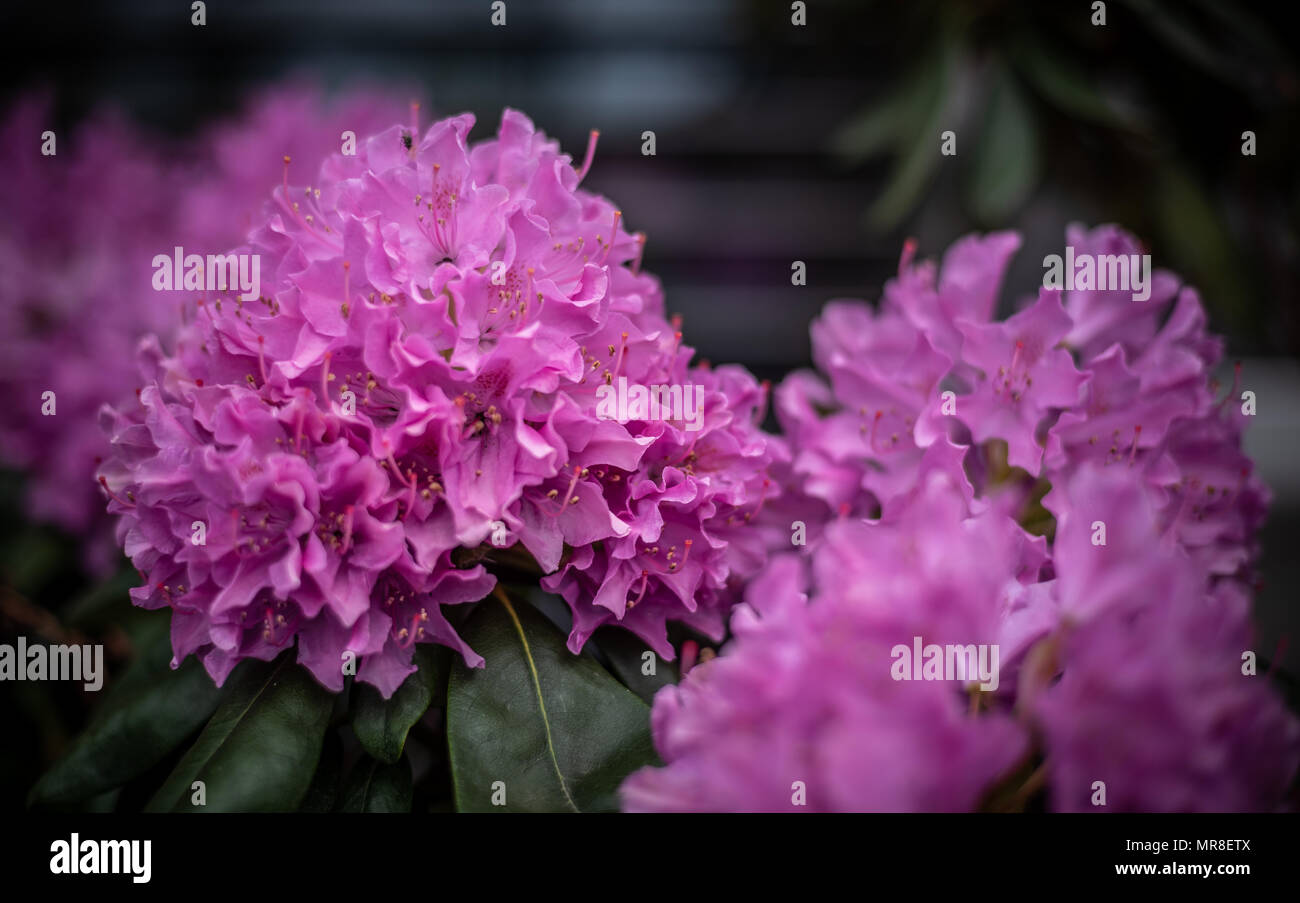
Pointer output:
x,y
81,230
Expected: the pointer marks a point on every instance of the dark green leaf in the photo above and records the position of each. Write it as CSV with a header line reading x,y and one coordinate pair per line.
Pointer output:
x,y
105,802
893,119
1256,42
376,787
34,557
553,729
929,102
1065,87
142,718
324,790
869,132
259,751
1199,243
1200,49
382,724
1007,162
104,603
626,654
552,605
39,706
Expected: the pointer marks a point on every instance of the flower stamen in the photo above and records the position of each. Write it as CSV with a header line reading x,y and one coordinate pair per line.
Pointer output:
x,y
113,495
645,581
591,153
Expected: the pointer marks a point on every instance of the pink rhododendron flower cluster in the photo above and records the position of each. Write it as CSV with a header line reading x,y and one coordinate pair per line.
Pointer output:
x,y
1120,664
416,393
230,168
81,230
1064,487
1075,376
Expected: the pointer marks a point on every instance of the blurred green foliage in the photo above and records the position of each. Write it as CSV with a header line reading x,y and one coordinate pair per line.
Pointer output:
x,y
1138,121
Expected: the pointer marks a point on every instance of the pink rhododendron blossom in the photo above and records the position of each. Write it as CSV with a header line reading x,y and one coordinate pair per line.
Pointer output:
x,y
416,394
82,229
1063,486
1075,376
1119,663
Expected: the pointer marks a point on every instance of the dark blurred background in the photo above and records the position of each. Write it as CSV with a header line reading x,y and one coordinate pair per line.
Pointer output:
x,y
819,143
779,143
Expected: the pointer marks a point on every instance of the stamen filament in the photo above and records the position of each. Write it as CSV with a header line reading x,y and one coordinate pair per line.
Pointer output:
x,y
293,208
113,495
325,380
568,496
645,581
261,357
347,530
591,153
618,363
753,514
613,236
640,249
